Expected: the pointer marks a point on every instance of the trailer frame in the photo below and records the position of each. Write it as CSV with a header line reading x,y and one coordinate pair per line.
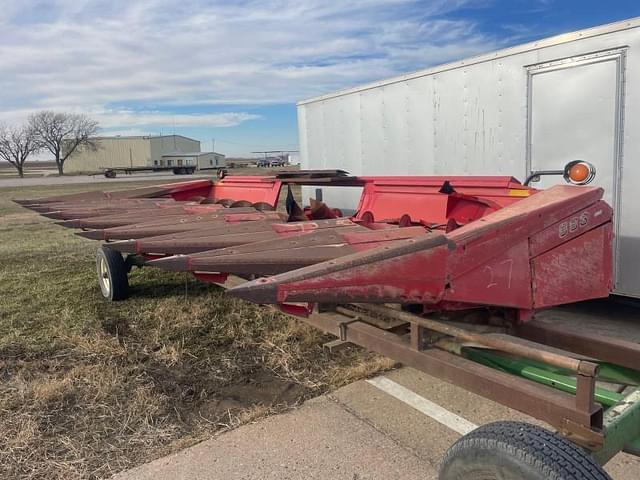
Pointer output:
x,y
575,416
111,172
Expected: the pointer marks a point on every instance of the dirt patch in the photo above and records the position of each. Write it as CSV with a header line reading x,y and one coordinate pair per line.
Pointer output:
x,y
263,388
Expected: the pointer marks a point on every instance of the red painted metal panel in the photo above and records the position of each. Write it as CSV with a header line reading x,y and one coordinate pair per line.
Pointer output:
x,y
482,240
211,277
433,200
187,190
504,280
579,269
251,188
571,227
411,271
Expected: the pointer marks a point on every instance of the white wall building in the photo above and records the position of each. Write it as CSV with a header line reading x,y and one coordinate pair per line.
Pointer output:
x,y
125,151
201,160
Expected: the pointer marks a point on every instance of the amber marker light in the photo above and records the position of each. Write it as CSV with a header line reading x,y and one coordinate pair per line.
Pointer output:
x,y
579,172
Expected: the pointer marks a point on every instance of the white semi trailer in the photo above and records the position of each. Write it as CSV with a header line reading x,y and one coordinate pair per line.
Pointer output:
x,y
511,112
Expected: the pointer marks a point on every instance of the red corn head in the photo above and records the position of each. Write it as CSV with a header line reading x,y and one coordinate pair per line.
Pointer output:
x,y
550,248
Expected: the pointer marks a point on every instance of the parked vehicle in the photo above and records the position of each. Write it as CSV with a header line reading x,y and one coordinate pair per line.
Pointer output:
x,y
113,171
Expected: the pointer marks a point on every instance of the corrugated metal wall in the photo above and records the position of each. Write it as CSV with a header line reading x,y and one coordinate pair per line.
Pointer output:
x,y
110,152
127,152
211,160
172,144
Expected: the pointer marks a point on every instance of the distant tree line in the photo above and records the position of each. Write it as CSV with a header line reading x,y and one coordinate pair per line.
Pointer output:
x,y
59,133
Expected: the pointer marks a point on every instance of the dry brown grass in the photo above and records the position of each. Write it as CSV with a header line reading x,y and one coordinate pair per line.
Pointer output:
x,y
89,388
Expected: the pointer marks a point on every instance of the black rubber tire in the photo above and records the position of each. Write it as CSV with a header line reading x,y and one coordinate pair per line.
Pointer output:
x,y
112,267
517,451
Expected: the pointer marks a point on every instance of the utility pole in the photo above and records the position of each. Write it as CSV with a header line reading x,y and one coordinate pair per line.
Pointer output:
x,y
213,144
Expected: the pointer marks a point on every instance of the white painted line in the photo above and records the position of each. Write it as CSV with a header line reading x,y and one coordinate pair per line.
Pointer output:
x,y
433,410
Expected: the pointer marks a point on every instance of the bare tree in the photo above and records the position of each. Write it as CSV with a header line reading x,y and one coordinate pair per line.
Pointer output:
x,y
63,133
16,144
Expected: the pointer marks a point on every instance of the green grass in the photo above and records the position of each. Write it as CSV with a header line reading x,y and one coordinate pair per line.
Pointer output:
x,y
89,388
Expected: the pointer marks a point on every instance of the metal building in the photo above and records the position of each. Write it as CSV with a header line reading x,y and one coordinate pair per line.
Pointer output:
x,y
201,160
526,108
125,151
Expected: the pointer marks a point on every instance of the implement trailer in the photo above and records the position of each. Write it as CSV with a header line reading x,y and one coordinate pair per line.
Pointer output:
x,y
444,274
112,172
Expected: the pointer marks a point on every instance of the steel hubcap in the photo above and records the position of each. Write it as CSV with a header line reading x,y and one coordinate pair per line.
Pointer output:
x,y
105,282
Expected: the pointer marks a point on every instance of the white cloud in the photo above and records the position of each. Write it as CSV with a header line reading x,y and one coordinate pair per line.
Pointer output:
x,y
130,132
120,118
90,55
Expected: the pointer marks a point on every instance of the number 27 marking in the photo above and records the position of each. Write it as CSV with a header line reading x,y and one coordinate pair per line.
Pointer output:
x,y
491,273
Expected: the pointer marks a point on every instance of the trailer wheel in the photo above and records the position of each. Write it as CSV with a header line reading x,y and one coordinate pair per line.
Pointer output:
x,y
110,173
112,274
516,450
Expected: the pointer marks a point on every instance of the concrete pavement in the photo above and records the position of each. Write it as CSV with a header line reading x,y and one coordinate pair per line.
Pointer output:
x,y
357,432
320,440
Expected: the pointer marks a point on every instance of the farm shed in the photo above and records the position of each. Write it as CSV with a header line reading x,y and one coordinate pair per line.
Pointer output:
x,y
128,151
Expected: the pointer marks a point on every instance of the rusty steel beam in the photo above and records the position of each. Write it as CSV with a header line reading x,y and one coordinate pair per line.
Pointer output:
x,y
501,343
108,203
552,406
120,219
230,234
608,349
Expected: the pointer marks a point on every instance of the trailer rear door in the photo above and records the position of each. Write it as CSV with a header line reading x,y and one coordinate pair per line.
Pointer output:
x,y
574,108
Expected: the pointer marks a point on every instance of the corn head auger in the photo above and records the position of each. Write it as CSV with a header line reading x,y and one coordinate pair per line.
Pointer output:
x,y
441,273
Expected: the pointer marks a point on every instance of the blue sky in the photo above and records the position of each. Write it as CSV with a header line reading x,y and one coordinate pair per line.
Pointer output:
x,y
233,70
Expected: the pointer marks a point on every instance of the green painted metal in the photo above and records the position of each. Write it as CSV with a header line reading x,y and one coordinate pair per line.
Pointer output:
x,y
621,427
537,372
609,372
621,418
622,415
633,447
